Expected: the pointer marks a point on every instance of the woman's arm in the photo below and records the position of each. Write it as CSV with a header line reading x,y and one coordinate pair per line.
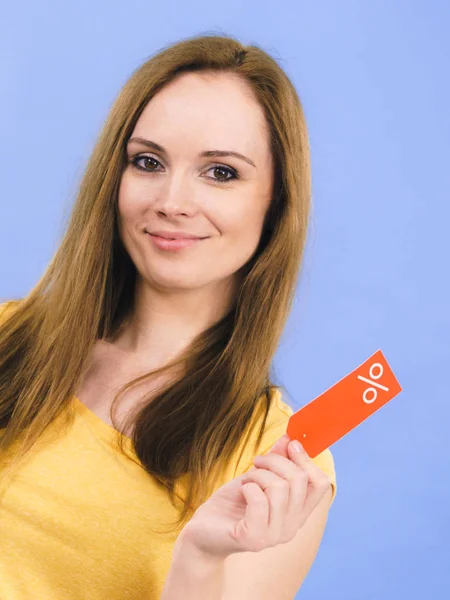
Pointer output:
x,y
193,575
262,509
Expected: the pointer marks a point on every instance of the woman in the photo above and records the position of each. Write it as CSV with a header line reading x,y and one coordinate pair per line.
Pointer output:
x,y
206,140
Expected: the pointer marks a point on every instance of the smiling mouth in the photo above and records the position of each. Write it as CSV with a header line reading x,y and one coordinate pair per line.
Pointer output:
x,y
167,244
181,239
165,237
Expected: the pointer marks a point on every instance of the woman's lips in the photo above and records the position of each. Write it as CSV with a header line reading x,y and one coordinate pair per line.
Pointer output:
x,y
180,244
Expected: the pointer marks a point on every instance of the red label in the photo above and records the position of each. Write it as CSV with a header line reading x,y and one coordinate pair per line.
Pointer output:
x,y
345,405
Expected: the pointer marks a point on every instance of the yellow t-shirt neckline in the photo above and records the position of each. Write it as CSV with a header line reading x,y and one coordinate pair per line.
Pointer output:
x,y
107,433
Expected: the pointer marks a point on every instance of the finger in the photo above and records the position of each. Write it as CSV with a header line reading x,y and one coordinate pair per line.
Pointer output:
x,y
245,472
298,482
305,494
281,465
281,446
251,530
300,457
318,486
318,481
277,490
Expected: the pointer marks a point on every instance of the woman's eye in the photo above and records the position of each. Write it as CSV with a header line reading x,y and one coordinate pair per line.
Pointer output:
x,y
137,162
227,170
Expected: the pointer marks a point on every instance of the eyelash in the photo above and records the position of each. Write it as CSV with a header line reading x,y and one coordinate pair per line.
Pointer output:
x,y
233,172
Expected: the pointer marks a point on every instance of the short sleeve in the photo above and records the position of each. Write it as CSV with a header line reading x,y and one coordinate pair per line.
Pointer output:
x,y
276,426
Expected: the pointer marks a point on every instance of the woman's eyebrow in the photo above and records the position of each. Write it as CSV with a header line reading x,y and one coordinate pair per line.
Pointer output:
x,y
159,148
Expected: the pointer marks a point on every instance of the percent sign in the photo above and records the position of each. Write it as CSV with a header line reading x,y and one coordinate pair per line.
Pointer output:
x,y
373,382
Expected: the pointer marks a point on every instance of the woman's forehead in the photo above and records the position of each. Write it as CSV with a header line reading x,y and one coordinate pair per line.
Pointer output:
x,y
206,113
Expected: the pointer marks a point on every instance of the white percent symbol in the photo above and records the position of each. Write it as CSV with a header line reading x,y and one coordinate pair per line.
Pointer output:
x,y
373,382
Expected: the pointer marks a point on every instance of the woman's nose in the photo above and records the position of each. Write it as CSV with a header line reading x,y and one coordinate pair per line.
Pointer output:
x,y
175,195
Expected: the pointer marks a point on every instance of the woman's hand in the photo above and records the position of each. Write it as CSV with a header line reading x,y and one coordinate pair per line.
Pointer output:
x,y
276,500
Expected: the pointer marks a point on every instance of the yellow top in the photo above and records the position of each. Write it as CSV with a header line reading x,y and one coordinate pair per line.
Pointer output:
x,y
76,522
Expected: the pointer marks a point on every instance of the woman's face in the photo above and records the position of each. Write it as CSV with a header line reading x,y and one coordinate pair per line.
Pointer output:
x,y
174,188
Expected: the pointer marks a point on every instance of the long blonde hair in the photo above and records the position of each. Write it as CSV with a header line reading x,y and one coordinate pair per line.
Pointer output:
x,y
87,290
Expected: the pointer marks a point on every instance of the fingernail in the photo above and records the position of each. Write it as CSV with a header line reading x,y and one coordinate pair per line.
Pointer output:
x,y
296,445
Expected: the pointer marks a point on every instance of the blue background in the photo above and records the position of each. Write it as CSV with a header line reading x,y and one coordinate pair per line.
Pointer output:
x,y
373,79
